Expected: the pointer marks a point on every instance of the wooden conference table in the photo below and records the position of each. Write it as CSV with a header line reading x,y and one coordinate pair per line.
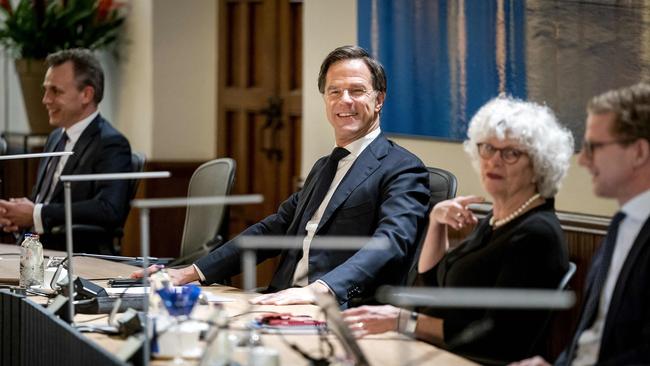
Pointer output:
x,y
386,349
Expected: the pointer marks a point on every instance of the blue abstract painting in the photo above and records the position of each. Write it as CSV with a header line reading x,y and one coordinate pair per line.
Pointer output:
x,y
446,58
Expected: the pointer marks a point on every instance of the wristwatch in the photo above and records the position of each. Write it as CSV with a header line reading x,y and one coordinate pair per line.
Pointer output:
x,y
411,324
407,322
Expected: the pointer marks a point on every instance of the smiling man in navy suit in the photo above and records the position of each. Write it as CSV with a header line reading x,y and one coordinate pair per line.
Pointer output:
x,y
73,89
368,186
614,328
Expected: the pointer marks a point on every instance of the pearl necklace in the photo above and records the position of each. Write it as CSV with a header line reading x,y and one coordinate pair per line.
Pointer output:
x,y
496,223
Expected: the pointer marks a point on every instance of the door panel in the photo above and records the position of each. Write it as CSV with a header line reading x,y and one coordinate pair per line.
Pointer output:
x,y
260,103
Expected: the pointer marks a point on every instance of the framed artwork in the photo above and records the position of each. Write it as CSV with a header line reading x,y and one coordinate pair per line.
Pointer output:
x,y
446,58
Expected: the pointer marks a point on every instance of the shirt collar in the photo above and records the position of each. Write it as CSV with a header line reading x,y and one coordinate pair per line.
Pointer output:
x,y
638,207
356,147
75,131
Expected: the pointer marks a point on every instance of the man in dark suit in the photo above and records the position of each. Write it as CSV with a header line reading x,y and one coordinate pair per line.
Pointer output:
x,y
614,328
73,88
373,188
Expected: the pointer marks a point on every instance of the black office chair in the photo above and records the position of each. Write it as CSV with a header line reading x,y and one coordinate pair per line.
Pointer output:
x,y
443,186
3,146
99,236
138,161
564,282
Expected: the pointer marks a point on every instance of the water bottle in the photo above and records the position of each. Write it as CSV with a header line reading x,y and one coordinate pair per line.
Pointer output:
x,y
31,262
40,260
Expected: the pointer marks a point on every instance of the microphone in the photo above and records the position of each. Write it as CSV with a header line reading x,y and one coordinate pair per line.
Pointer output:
x,y
136,261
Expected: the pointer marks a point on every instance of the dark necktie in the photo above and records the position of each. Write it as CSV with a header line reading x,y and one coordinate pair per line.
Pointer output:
x,y
45,187
600,276
322,185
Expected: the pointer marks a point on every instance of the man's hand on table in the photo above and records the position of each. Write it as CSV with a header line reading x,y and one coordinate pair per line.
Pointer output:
x,y
179,276
292,296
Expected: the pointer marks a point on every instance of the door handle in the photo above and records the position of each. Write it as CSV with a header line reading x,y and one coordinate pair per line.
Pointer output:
x,y
272,126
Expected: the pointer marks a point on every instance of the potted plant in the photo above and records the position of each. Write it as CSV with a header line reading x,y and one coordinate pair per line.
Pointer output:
x,y
35,28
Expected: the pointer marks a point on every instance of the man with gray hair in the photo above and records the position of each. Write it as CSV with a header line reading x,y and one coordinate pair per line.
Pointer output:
x,y
73,88
614,327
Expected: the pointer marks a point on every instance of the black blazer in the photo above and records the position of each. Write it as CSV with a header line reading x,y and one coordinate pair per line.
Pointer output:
x,y
100,149
626,335
528,252
384,194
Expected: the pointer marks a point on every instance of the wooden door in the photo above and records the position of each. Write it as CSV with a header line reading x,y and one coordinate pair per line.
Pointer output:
x,y
260,103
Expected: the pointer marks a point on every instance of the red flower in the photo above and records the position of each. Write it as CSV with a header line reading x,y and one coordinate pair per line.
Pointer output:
x,y
6,5
104,7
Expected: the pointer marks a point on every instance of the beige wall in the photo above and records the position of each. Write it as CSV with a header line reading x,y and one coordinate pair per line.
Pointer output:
x,y
324,29
134,110
329,24
184,79
167,105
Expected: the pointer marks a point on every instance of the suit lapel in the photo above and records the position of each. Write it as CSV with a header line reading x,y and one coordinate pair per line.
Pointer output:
x,y
87,136
307,190
641,241
42,166
363,167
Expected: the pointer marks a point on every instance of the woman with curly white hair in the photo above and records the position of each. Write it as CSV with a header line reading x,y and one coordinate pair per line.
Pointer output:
x,y
521,154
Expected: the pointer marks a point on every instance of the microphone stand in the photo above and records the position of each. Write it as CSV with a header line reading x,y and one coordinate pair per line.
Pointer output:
x,y
66,180
249,244
33,156
145,205
476,298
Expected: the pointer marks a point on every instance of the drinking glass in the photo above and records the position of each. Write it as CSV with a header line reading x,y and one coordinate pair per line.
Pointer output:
x,y
179,302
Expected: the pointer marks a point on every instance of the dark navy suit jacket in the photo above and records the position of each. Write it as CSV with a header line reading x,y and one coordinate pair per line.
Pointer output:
x,y
626,334
99,149
385,194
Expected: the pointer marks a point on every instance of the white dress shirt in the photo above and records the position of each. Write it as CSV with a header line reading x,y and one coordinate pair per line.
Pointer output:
x,y
636,212
74,132
302,268
355,148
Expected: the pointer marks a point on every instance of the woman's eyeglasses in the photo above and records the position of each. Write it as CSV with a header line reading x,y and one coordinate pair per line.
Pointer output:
x,y
508,154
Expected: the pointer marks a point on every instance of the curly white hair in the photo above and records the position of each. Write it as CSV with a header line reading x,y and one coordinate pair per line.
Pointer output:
x,y
535,127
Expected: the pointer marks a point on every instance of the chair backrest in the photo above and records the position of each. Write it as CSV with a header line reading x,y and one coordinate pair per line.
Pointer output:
x,y
3,146
564,282
138,160
98,235
443,185
202,223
